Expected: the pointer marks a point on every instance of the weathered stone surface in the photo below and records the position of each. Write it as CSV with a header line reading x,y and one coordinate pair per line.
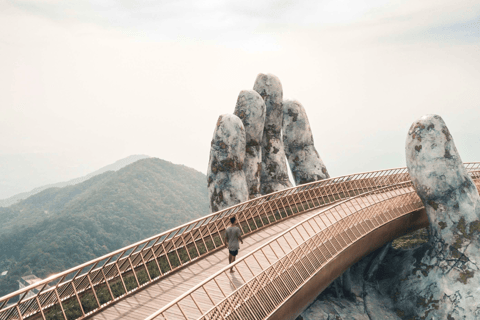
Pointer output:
x,y
332,308
366,299
225,176
438,279
442,281
303,158
274,176
250,109
370,305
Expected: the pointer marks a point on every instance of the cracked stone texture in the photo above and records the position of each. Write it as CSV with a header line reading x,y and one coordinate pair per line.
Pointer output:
x,y
443,281
434,280
274,176
225,176
303,158
250,109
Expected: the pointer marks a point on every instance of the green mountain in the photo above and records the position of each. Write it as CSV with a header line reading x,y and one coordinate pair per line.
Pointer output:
x,y
112,167
60,228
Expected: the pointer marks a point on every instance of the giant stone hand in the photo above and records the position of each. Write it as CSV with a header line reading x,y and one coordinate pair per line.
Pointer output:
x,y
226,179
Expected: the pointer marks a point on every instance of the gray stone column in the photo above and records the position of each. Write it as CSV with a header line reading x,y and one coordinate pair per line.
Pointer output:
x,y
250,109
303,158
274,176
445,282
226,179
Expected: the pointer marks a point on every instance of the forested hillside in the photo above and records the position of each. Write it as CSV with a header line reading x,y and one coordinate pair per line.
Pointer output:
x,y
112,167
59,228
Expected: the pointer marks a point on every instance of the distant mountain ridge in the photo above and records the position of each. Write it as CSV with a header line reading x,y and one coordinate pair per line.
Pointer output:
x,y
111,167
59,228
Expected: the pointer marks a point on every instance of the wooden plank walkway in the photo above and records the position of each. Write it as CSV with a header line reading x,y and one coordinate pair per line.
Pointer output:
x,y
351,220
148,300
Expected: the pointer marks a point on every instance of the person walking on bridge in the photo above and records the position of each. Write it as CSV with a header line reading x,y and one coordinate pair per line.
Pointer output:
x,y
233,234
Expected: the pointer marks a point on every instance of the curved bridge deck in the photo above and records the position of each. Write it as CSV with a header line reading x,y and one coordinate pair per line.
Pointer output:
x,y
157,295
290,236
271,275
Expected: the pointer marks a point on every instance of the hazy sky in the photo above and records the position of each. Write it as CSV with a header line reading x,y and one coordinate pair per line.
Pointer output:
x,y
89,82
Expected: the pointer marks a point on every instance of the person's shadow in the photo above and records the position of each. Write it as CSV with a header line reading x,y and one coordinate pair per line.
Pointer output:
x,y
235,282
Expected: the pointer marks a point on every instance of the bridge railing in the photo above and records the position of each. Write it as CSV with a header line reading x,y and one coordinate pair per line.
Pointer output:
x,y
273,272
290,257
87,288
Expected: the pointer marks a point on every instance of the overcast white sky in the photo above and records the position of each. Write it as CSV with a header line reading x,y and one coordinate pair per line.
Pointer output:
x,y
85,83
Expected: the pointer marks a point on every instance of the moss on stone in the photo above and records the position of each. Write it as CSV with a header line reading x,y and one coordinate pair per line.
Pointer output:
x,y
462,227
430,303
461,233
474,227
458,243
464,276
411,240
454,252
433,204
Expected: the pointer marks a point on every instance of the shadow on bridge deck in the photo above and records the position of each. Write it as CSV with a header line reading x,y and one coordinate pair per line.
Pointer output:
x,y
155,296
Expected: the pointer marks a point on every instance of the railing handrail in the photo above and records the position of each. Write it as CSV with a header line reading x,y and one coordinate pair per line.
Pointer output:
x,y
359,181
249,254
136,244
309,238
274,239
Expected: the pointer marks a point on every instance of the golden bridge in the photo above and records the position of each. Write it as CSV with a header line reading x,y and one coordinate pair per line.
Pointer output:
x,y
296,242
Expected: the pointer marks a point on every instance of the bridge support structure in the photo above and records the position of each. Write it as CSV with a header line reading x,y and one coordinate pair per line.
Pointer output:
x,y
372,241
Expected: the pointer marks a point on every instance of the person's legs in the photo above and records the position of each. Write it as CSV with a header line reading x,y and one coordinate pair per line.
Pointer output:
x,y
231,258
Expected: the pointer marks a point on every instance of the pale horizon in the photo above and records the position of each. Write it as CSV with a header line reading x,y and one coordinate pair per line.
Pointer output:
x,y
88,83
